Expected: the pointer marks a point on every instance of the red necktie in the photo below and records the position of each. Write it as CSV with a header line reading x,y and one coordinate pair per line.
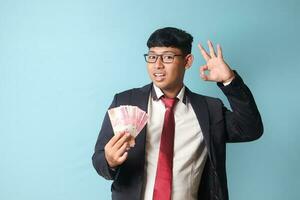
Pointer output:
x,y
163,180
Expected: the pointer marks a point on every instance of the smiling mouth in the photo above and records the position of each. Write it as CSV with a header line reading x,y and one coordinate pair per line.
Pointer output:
x,y
159,76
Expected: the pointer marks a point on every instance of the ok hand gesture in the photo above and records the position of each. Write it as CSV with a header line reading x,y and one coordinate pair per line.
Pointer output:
x,y
218,69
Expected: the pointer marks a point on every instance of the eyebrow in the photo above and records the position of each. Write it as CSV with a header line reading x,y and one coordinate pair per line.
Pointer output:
x,y
163,52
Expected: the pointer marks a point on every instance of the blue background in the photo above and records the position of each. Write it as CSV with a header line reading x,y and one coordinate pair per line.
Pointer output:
x,y
62,61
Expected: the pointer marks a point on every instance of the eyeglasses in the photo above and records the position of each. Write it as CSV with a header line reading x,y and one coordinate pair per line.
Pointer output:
x,y
166,58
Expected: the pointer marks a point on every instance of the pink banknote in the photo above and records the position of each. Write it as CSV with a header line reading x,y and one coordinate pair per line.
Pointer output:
x,y
129,119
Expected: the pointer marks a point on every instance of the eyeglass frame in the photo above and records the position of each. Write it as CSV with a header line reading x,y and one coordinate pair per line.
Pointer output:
x,y
161,56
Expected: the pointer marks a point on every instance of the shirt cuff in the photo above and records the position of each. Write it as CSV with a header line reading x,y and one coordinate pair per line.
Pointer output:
x,y
227,82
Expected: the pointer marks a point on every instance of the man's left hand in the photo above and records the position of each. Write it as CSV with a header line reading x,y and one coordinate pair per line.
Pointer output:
x,y
218,69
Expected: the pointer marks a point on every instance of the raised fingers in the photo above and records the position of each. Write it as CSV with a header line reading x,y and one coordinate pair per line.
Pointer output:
x,y
219,51
204,53
211,49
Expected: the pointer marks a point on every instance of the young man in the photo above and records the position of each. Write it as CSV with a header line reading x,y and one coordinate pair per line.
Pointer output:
x,y
180,154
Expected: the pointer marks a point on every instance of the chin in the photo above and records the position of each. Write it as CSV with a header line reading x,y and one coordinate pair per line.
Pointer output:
x,y
162,86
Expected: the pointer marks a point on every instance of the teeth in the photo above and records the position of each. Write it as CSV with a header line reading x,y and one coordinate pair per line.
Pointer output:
x,y
158,74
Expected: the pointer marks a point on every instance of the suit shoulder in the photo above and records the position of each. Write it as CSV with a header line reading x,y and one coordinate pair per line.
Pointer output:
x,y
134,96
209,100
134,91
213,105
213,100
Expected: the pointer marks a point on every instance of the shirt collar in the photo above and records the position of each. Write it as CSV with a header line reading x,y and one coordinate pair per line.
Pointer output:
x,y
156,94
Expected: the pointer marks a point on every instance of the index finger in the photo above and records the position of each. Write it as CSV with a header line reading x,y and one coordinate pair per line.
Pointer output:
x,y
204,53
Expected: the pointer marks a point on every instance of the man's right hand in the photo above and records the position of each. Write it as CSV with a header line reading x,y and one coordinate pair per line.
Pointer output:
x,y
115,149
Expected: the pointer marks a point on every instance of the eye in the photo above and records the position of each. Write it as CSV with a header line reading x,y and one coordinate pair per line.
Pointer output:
x,y
152,57
168,57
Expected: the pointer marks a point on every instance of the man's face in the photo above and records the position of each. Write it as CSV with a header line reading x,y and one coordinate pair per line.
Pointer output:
x,y
168,76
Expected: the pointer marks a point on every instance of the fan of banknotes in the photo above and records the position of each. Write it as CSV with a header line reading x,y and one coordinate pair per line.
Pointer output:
x,y
129,119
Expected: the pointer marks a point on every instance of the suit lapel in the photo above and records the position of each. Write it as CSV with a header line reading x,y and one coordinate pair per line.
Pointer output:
x,y
201,110
142,97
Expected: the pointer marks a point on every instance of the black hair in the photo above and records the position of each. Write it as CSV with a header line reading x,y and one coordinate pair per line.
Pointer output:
x,y
171,37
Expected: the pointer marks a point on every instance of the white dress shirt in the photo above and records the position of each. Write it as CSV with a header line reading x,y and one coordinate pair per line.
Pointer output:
x,y
190,152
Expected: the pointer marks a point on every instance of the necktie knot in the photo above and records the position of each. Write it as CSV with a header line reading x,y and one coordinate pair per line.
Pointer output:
x,y
169,102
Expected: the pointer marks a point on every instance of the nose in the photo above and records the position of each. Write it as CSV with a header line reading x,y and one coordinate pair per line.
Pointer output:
x,y
159,64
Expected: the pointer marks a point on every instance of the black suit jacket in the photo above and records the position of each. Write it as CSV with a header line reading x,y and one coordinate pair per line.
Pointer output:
x,y
218,124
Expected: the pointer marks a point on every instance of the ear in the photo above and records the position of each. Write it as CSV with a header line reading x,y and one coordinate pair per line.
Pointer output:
x,y
189,61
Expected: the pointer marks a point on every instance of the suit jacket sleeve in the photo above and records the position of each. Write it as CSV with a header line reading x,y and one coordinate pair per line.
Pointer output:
x,y
244,122
99,160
